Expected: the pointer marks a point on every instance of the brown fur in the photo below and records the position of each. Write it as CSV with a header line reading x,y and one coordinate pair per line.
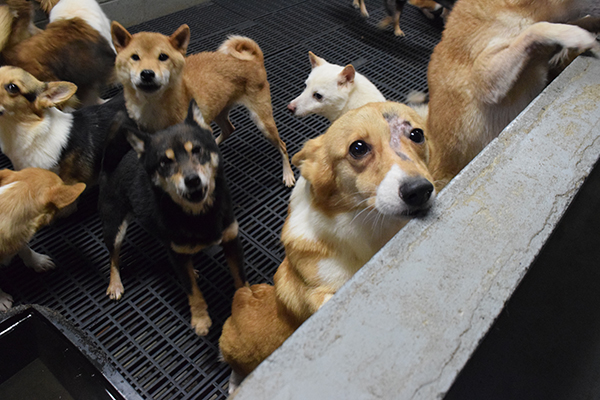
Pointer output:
x,y
494,58
67,50
30,204
16,22
337,186
217,81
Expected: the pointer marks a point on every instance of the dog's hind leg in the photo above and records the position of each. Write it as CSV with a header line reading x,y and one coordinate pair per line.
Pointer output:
x,y
184,268
234,254
226,127
261,114
113,237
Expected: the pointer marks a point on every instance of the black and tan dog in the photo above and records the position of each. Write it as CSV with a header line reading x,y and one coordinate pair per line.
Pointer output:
x,y
173,184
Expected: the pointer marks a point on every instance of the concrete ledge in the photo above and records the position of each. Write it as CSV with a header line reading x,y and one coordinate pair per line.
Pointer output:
x,y
407,323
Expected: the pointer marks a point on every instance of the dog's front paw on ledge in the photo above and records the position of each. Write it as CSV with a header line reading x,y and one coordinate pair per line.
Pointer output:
x,y
115,290
201,323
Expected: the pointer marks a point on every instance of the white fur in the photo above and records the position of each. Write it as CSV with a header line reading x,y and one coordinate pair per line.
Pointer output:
x,y
39,145
36,261
87,10
336,99
6,301
4,189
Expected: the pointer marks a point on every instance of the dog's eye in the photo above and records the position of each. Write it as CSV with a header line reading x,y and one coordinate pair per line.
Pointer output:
x,y
417,135
196,150
318,96
12,88
359,149
164,161
163,57
135,57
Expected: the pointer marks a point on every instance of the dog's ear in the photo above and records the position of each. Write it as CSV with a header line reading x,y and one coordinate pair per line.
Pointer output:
x,y
55,94
63,195
181,38
137,140
314,166
314,60
346,77
120,36
189,119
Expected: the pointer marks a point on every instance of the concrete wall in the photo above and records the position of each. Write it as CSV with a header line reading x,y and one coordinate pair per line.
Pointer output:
x,y
409,321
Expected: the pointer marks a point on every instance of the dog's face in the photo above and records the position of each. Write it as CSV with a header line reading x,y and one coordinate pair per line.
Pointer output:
x,y
24,98
374,157
327,89
147,61
182,160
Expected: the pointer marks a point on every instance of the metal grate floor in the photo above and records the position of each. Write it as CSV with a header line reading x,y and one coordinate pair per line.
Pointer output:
x,y
147,334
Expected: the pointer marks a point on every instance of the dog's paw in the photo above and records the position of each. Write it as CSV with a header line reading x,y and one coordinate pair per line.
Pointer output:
x,y
6,301
235,380
115,290
289,179
398,32
579,39
201,323
568,36
38,262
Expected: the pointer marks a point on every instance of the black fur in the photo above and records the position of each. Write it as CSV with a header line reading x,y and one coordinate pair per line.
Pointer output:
x,y
128,189
394,6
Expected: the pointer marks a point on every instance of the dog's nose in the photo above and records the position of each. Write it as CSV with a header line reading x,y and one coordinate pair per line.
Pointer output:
x,y
416,192
291,107
147,75
192,181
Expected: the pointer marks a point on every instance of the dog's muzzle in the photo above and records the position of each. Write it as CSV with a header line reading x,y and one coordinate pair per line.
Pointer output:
x,y
148,81
196,191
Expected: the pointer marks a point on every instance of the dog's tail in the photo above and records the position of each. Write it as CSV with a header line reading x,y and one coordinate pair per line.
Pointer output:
x,y
418,101
243,48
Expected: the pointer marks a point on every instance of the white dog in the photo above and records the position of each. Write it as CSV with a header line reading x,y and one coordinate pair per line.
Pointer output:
x,y
331,90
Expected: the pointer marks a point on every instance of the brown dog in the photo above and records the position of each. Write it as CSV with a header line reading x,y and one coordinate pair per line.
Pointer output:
x,y
159,82
361,182
494,58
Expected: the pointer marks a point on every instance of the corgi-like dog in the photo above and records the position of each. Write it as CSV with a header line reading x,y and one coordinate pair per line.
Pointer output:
x,y
331,90
159,82
87,10
35,133
67,50
493,59
30,198
431,9
360,183
173,184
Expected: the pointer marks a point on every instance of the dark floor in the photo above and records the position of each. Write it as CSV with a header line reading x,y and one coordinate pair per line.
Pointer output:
x,y
147,333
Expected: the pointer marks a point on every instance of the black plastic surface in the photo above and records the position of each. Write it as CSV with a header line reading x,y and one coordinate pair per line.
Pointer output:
x,y
147,335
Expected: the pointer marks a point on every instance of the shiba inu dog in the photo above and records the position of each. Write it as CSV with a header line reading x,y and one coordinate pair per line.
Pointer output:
x,y
34,133
331,90
361,182
159,82
67,50
172,183
30,198
493,59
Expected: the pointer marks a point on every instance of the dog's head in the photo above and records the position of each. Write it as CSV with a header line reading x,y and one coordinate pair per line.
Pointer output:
x,y
328,87
37,194
24,98
183,160
374,157
148,61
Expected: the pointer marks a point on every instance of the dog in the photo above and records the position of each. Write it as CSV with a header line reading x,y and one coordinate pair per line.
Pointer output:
x,y
35,133
493,59
173,184
30,198
431,9
331,90
16,22
159,82
67,50
360,183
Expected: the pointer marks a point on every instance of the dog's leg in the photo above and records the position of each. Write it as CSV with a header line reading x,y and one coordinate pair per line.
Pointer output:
x,y
363,8
261,114
36,261
235,380
234,254
113,237
225,124
394,9
498,68
6,301
184,268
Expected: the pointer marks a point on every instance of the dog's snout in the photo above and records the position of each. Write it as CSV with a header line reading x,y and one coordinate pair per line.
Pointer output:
x,y
292,107
192,181
416,192
147,75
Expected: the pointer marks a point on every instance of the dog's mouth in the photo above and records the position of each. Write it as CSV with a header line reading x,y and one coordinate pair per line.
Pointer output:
x,y
150,87
415,213
195,196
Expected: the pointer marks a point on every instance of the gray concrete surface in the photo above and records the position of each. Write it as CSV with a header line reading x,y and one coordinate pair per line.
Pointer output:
x,y
407,323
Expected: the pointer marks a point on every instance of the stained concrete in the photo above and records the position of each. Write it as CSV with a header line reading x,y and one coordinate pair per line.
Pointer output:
x,y
409,321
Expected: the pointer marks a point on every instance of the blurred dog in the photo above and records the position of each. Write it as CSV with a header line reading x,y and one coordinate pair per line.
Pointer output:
x,y
494,58
159,82
431,9
30,198
361,182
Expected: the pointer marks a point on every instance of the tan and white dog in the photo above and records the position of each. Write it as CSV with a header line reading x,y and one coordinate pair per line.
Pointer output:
x,y
159,82
361,182
494,58
30,198
331,90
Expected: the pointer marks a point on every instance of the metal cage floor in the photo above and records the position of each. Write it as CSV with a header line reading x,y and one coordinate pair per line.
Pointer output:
x,y
147,334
